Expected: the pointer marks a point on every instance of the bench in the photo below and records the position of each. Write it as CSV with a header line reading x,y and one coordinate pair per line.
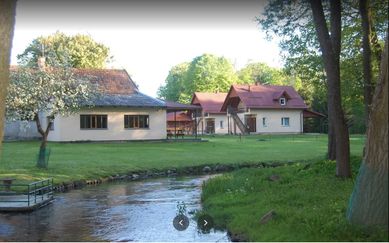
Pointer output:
x,y
7,182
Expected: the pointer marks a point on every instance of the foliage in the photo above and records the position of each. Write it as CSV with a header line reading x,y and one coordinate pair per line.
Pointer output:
x,y
205,73
291,22
79,51
174,83
52,91
76,161
208,73
309,203
264,74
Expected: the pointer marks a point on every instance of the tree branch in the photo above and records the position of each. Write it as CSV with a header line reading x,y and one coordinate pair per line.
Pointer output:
x,y
38,125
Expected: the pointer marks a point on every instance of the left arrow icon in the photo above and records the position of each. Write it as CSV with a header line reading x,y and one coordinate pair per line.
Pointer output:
x,y
181,222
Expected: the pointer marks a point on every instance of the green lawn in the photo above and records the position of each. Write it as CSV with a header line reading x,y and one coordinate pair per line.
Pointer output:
x,y
73,161
310,204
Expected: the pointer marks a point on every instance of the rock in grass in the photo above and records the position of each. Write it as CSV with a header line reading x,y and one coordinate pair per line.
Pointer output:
x,y
267,217
207,169
274,177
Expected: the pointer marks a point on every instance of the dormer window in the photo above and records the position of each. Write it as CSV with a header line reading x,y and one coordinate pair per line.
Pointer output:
x,y
282,101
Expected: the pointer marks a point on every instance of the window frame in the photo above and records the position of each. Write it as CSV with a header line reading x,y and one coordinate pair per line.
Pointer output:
x,y
283,101
94,121
264,121
283,123
136,119
221,124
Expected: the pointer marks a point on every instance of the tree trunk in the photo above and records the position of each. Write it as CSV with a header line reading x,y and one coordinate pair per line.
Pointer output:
x,y
369,200
331,150
7,20
364,9
330,48
42,156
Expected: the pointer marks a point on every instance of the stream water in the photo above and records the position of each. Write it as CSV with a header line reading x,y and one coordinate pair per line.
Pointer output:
x,y
126,211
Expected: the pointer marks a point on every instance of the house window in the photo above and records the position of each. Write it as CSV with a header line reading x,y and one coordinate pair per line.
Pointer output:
x,y
93,121
282,101
285,121
221,124
136,121
264,121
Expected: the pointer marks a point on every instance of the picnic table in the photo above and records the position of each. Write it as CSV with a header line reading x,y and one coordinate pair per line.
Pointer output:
x,y
177,133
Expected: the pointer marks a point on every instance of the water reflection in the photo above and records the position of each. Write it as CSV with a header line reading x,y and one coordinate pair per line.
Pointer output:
x,y
135,211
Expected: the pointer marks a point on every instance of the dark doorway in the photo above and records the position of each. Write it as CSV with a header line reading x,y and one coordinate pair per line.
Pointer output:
x,y
251,123
210,126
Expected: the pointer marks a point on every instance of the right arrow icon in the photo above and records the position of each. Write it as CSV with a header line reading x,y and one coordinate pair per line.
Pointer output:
x,y
205,223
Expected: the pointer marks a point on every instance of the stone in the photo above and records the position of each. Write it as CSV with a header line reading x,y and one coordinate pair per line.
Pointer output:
x,y
267,217
220,168
135,176
274,177
207,169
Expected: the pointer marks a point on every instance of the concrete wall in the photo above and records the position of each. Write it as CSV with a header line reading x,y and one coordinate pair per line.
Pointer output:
x,y
67,128
218,128
273,120
20,130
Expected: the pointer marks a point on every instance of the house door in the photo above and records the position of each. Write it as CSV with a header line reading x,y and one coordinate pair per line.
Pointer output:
x,y
210,126
251,123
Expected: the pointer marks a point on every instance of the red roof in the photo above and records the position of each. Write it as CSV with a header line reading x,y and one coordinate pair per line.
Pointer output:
x,y
180,116
209,102
264,96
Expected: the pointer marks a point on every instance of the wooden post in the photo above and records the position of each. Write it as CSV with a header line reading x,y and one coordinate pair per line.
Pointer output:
x,y
175,125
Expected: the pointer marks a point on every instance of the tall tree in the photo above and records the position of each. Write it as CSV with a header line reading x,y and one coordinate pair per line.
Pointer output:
x,y
208,73
174,83
44,93
369,200
330,47
7,21
205,73
263,73
365,11
79,51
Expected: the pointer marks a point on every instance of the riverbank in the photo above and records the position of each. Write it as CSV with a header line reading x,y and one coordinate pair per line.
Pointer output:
x,y
75,163
303,202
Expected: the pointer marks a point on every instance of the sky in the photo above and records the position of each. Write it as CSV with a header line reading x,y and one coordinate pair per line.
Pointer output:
x,y
149,37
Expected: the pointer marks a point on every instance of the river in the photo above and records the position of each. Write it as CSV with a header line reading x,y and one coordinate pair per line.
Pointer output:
x,y
123,211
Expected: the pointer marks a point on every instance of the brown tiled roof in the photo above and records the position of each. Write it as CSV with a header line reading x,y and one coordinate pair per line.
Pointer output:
x,y
209,102
180,116
265,96
110,81
116,88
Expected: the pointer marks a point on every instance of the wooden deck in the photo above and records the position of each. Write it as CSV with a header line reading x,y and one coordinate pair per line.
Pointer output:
x,y
25,197
19,203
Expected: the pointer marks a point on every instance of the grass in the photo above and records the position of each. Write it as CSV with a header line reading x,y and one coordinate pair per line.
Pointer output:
x,y
310,204
75,161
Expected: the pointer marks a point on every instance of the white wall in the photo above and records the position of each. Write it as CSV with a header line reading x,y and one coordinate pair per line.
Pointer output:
x,y
67,128
274,120
218,128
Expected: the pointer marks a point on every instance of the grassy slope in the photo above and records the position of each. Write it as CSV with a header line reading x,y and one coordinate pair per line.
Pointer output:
x,y
310,204
72,161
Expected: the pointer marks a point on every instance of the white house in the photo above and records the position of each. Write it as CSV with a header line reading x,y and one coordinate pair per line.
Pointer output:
x,y
264,109
212,119
121,112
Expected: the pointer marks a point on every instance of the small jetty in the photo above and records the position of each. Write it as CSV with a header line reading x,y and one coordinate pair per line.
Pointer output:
x,y
25,197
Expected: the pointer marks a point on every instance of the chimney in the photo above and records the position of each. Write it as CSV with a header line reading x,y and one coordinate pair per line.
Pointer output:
x,y
41,62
